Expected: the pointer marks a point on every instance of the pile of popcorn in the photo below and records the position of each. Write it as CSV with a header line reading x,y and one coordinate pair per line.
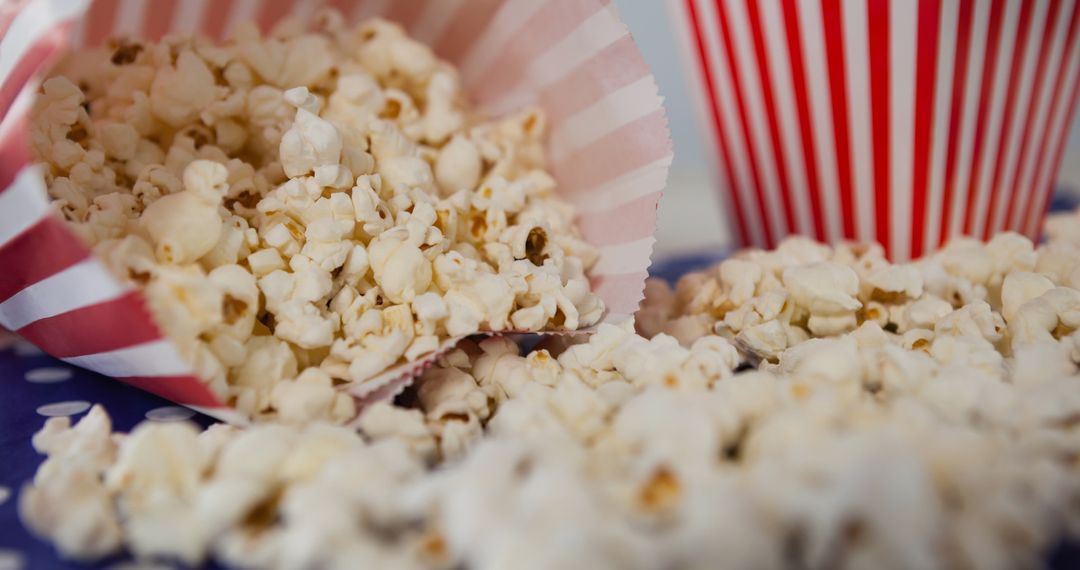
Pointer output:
x,y
811,406
309,209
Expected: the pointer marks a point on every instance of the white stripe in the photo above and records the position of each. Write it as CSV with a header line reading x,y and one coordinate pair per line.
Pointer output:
x,y
857,60
496,37
593,35
962,173
624,189
433,20
242,11
23,204
1047,173
722,85
753,99
368,9
717,168
772,23
939,137
155,358
84,284
20,109
992,134
30,25
129,18
188,16
1017,114
77,33
903,34
616,110
623,258
1041,121
821,113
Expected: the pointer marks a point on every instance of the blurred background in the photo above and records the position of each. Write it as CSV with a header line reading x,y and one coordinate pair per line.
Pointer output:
x,y
691,220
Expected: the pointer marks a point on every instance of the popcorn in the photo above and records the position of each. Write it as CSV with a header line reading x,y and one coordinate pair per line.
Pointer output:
x,y
340,173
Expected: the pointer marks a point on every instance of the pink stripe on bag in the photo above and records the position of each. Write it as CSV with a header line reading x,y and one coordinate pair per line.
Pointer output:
x,y
625,287
99,22
771,113
465,27
536,35
925,77
405,13
878,41
14,149
597,77
93,329
272,12
802,101
214,21
613,154
1011,187
24,252
628,222
43,50
834,50
706,70
1024,28
158,20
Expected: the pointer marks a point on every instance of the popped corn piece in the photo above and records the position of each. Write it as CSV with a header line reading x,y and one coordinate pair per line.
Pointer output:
x,y
186,225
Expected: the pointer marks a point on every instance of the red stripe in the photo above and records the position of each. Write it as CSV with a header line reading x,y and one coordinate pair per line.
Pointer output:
x,y
1028,220
158,20
34,60
926,58
23,257
802,104
551,23
625,223
100,18
736,83
1020,47
1011,197
877,12
122,322
345,7
714,111
405,13
959,82
612,68
187,390
465,26
14,149
631,146
621,293
993,46
834,54
758,36
215,17
271,12
1055,167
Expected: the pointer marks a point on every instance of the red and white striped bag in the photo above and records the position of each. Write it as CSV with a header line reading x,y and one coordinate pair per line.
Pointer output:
x,y
609,148
899,121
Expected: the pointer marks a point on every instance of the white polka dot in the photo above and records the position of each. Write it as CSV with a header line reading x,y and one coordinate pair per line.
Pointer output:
x,y
11,559
23,348
5,493
169,414
64,408
48,375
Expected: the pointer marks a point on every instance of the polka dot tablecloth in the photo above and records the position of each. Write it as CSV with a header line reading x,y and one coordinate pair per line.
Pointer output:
x,y
36,387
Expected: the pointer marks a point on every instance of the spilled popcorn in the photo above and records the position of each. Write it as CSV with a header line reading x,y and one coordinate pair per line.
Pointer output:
x,y
919,415
309,209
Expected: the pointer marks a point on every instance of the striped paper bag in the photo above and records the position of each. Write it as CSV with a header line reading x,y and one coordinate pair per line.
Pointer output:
x,y
609,151
905,122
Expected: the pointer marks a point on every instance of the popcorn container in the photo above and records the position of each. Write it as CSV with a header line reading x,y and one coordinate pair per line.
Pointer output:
x,y
904,122
609,150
